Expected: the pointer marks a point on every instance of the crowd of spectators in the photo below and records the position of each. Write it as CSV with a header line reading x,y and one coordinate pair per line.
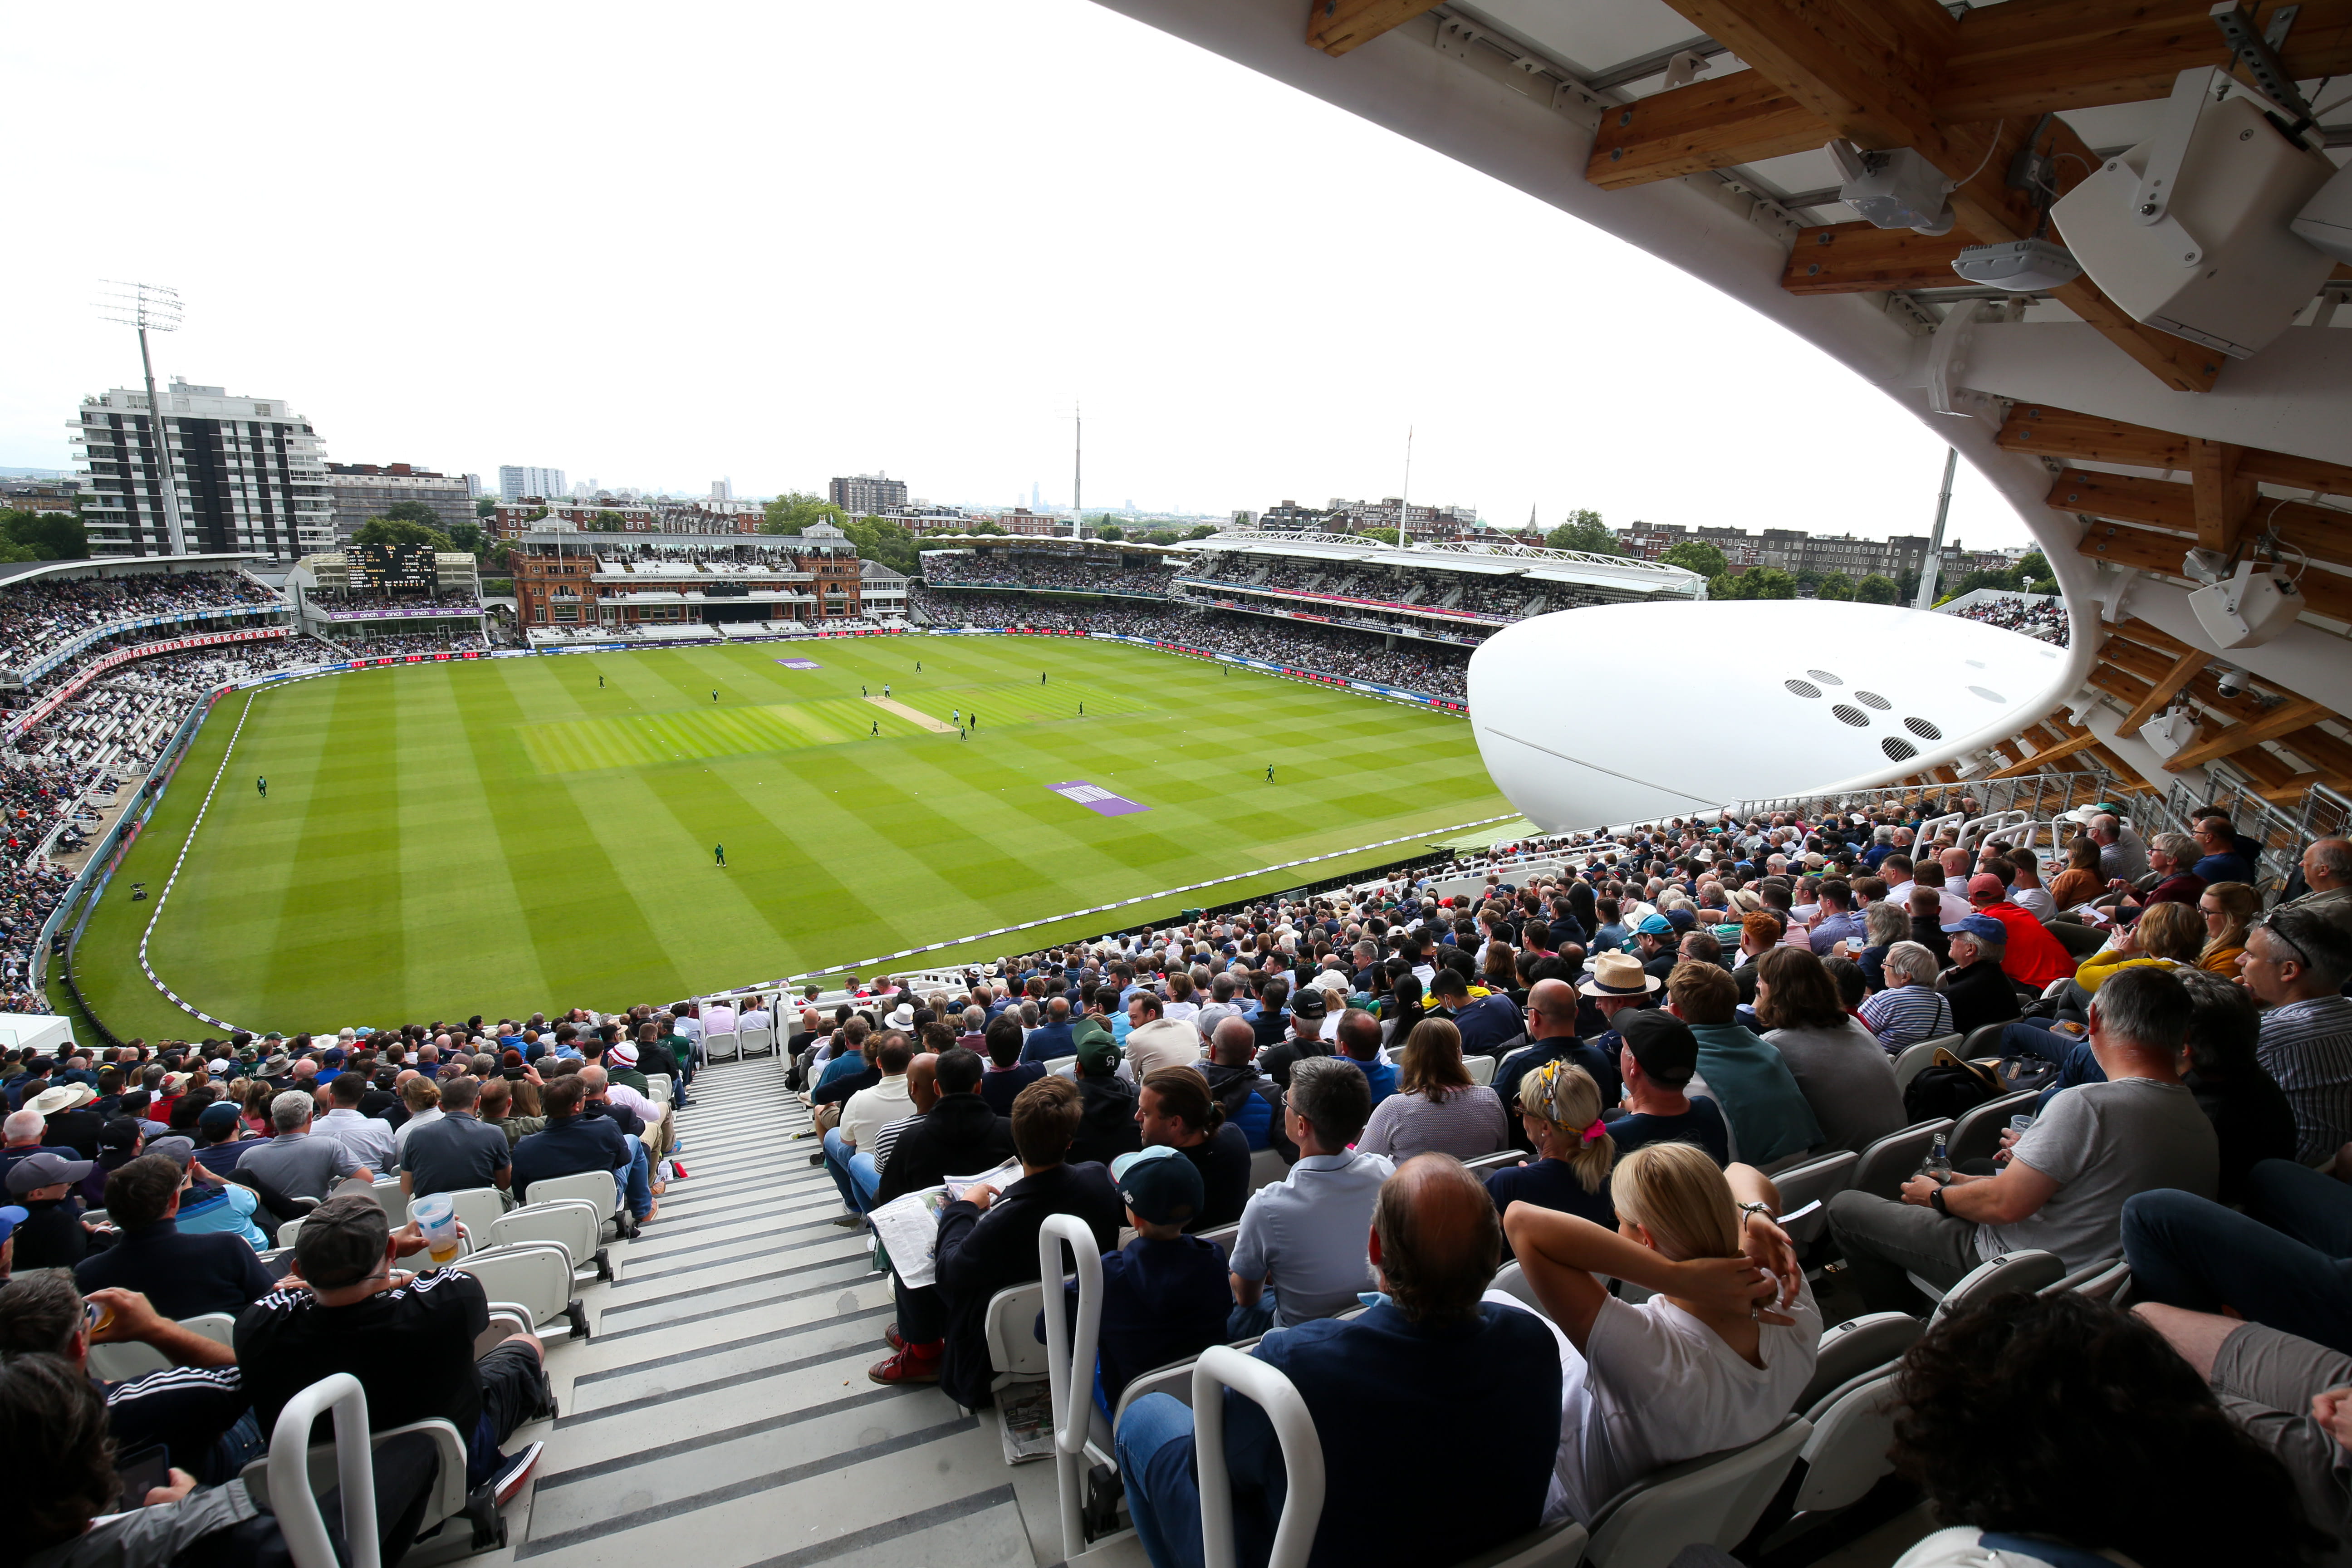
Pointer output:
x,y
2037,617
1666,1011
119,723
451,639
1389,585
401,604
1016,569
1435,668
39,617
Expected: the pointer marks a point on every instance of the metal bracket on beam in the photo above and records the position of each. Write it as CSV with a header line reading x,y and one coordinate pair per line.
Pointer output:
x,y
1947,367
2259,52
1911,315
1510,63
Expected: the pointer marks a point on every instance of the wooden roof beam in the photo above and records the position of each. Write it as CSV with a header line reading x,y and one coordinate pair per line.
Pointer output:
x,y
1862,258
1741,118
2223,496
2184,669
2235,738
2324,533
2027,57
2040,761
2324,592
1335,27
2050,432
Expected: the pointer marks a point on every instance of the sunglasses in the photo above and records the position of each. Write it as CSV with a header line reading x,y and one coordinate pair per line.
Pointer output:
x,y
2284,941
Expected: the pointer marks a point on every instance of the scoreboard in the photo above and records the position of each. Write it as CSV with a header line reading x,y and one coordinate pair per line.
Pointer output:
x,y
391,568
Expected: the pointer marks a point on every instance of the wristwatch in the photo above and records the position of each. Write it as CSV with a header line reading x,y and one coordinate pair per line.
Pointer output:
x,y
1936,1201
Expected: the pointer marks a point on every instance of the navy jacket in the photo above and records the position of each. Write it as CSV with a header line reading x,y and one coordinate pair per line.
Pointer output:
x,y
1481,1399
1162,1301
567,1146
981,1254
1049,1042
183,1276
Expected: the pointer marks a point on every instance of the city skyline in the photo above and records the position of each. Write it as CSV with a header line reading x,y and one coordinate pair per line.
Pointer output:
x,y
678,316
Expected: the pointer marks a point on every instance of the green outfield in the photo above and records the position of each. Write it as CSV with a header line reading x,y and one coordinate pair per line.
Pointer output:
x,y
510,835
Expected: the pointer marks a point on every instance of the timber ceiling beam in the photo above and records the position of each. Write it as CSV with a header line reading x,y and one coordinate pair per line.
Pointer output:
x,y
2224,497
2041,761
2050,432
2232,739
1742,119
1335,27
2326,592
1862,258
2324,533
2184,670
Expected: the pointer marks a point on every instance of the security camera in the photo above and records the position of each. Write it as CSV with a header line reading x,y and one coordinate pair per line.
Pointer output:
x,y
2234,681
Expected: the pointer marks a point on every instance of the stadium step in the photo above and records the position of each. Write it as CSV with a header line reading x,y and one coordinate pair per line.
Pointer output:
x,y
721,1408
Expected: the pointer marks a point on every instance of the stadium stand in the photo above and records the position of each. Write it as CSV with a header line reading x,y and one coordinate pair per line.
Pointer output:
x,y
2036,616
680,1322
40,617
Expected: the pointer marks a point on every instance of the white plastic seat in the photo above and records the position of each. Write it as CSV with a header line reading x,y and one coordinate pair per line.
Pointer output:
x,y
1913,1060
1855,1348
1847,1452
291,1472
569,1223
1223,1235
1013,1352
1266,1167
478,1209
2027,1271
1977,1135
289,1231
535,1275
1887,1164
394,1201
2102,1281
218,1327
128,1359
1512,1281
1713,1500
595,1188
726,1047
1815,1181
756,1042
659,1090
1482,1068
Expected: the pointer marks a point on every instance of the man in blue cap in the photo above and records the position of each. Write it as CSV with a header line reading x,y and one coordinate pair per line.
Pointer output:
x,y
1656,939
1979,992
11,1216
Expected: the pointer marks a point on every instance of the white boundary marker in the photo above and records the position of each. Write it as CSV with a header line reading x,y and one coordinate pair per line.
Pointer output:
x,y
193,1011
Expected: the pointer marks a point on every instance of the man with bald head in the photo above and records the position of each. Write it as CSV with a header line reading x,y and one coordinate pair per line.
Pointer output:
x,y
1430,1357
2327,868
957,1135
1551,1038
1249,1096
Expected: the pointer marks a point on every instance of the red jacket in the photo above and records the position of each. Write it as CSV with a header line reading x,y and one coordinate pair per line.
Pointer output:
x,y
2034,955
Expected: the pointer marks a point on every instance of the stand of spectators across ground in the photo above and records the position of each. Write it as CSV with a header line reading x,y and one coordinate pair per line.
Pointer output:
x,y
40,617
363,644
393,604
1022,569
2036,616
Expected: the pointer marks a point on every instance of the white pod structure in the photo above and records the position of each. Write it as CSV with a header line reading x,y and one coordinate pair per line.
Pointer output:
x,y
1623,713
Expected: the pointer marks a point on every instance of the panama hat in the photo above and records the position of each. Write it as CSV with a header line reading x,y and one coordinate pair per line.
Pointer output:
x,y
1618,974
64,1097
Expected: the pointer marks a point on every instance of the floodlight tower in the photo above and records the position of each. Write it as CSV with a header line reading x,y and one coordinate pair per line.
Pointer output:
x,y
152,307
1077,472
1929,568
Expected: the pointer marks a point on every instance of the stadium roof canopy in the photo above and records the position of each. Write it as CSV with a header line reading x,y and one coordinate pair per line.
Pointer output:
x,y
1494,559
1698,130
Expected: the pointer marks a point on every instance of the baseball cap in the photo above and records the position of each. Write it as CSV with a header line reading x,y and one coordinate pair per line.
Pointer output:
x,y
178,1149
120,1133
1978,925
1984,884
218,1118
1311,1002
341,1241
1098,1056
45,1170
1655,925
1661,1044
1160,1185
11,1216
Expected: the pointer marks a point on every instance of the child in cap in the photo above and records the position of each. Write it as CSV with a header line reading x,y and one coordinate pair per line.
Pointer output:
x,y
1166,1295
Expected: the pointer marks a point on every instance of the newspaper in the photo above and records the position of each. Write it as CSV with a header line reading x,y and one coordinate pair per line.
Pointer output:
x,y
1024,1420
909,1226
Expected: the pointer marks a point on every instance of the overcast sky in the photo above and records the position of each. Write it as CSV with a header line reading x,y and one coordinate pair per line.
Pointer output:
x,y
780,242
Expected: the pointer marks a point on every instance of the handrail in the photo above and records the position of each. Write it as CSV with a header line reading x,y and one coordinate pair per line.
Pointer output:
x,y
1070,1366
1221,1367
291,1497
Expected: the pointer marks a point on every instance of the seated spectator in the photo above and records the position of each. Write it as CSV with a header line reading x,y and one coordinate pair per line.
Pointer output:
x,y
298,1162
208,1203
1925,911
1360,1043
1436,1107
196,1407
2029,954
1487,1024
2295,963
1051,1040
1107,1128
24,1129
1300,1253
2227,909
511,1105
2169,857
1305,1039
1885,925
2082,881
2066,1178
459,1151
1838,1065
1750,1082
956,1134
862,1117
1976,986
1154,1041
421,1098
2326,868
2166,936
2008,1422
1250,1098
1007,1073
1165,1295
1174,1109
571,1144
1616,984
1423,1359
1699,1366
1658,1056
1909,1008
52,1233
344,1301
71,1124
852,1068
2222,854
119,1142
988,1241
368,1141
184,1273
1560,1108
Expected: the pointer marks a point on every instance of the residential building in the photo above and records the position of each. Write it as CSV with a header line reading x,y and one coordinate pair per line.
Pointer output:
x,y
919,518
864,495
1420,521
723,490
473,487
568,579
1031,524
1289,517
249,475
516,481
1790,550
564,514
40,495
363,490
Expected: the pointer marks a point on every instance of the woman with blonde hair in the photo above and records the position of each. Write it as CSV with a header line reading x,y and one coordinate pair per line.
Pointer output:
x,y
1436,1107
2168,933
1712,1361
2228,908
1560,1107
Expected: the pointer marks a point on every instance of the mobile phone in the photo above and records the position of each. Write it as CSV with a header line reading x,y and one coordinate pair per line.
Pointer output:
x,y
141,1473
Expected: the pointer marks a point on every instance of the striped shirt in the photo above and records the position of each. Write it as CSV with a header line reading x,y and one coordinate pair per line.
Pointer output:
x,y
1906,1014
887,1139
2306,1046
